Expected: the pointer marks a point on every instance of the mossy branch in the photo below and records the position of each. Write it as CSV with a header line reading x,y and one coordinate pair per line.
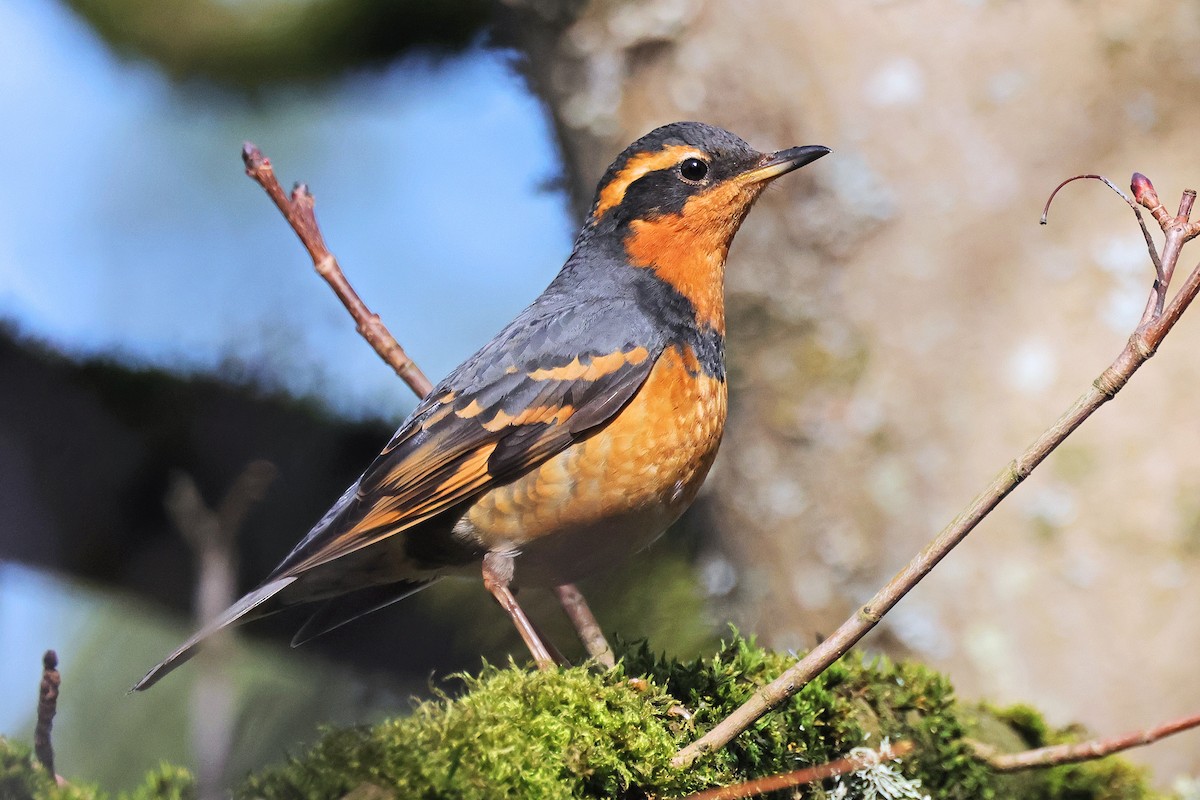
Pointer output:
x,y
1157,321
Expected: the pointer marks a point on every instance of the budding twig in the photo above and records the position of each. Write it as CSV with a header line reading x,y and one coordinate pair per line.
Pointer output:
x,y
1156,323
298,211
1081,751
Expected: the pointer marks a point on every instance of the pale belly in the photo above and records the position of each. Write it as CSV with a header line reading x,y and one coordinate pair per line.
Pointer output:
x,y
613,493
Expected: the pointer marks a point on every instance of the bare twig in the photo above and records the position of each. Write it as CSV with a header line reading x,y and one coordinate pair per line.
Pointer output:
x,y
1140,346
854,762
299,212
1151,248
47,706
1081,751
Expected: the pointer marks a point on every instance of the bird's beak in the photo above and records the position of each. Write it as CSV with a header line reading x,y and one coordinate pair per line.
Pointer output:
x,y
783,162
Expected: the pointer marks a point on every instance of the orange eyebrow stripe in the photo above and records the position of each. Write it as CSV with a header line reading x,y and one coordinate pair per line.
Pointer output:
x,y
614,191
596,368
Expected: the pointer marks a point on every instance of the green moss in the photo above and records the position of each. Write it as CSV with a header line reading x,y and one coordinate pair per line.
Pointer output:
x,y
856,702
583,733
21,778
514,733
577,733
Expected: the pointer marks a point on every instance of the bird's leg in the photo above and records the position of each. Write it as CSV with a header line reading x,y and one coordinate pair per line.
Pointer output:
x,y
497,575
554,652
584,620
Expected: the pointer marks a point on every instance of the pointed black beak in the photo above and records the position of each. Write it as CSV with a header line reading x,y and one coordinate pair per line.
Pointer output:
x,y
784,161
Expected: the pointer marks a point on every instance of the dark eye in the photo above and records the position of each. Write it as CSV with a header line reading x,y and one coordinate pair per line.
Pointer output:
x,y
693,169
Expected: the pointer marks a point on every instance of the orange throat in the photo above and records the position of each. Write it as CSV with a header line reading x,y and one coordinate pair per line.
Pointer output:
x,y
688,249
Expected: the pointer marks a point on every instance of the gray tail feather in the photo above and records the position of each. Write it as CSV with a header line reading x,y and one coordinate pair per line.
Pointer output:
x,y
235,613
340,610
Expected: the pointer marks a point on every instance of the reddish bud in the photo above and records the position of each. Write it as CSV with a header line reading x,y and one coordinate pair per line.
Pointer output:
x,y
1141,187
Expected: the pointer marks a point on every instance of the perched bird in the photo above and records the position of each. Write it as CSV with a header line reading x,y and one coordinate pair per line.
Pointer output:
x,y
577,434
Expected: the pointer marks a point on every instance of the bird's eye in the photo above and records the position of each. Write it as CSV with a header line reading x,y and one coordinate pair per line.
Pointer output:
x,y
693,169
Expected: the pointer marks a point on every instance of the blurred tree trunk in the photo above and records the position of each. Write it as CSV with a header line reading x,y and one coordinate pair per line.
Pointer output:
x,y
900,326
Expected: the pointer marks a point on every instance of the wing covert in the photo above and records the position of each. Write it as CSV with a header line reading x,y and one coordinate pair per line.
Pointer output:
x,y
496,425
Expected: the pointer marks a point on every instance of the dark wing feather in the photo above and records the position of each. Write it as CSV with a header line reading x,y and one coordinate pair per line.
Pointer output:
x,y
520,401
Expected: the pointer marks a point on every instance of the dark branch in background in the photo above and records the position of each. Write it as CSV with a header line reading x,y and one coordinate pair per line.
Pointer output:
x,y
855,762
1082,751
47,706
1155,324
299,212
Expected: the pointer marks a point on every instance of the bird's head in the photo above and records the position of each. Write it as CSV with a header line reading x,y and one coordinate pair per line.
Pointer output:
x,y
676,197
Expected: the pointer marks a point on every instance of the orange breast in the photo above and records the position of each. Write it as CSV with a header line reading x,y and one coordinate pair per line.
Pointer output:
x,y
616,491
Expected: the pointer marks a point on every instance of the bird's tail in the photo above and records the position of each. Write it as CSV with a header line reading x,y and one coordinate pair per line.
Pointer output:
x,y
238,612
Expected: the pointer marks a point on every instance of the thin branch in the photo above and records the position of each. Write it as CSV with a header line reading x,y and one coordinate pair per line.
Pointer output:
x,y
1140,346
1151,248
47,707
299,212
585,623
1082,751
1106,181
855,762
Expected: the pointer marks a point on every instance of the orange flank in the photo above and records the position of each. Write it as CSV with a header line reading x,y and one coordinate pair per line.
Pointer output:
x,y
646,466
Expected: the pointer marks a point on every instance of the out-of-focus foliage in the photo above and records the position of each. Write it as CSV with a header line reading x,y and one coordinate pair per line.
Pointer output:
x,y
250,44
21,778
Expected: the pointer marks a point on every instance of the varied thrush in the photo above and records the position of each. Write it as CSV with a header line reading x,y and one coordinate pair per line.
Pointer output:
x,y
577,434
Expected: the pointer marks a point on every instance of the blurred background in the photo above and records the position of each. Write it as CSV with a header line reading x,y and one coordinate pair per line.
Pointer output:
x,y
900,328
